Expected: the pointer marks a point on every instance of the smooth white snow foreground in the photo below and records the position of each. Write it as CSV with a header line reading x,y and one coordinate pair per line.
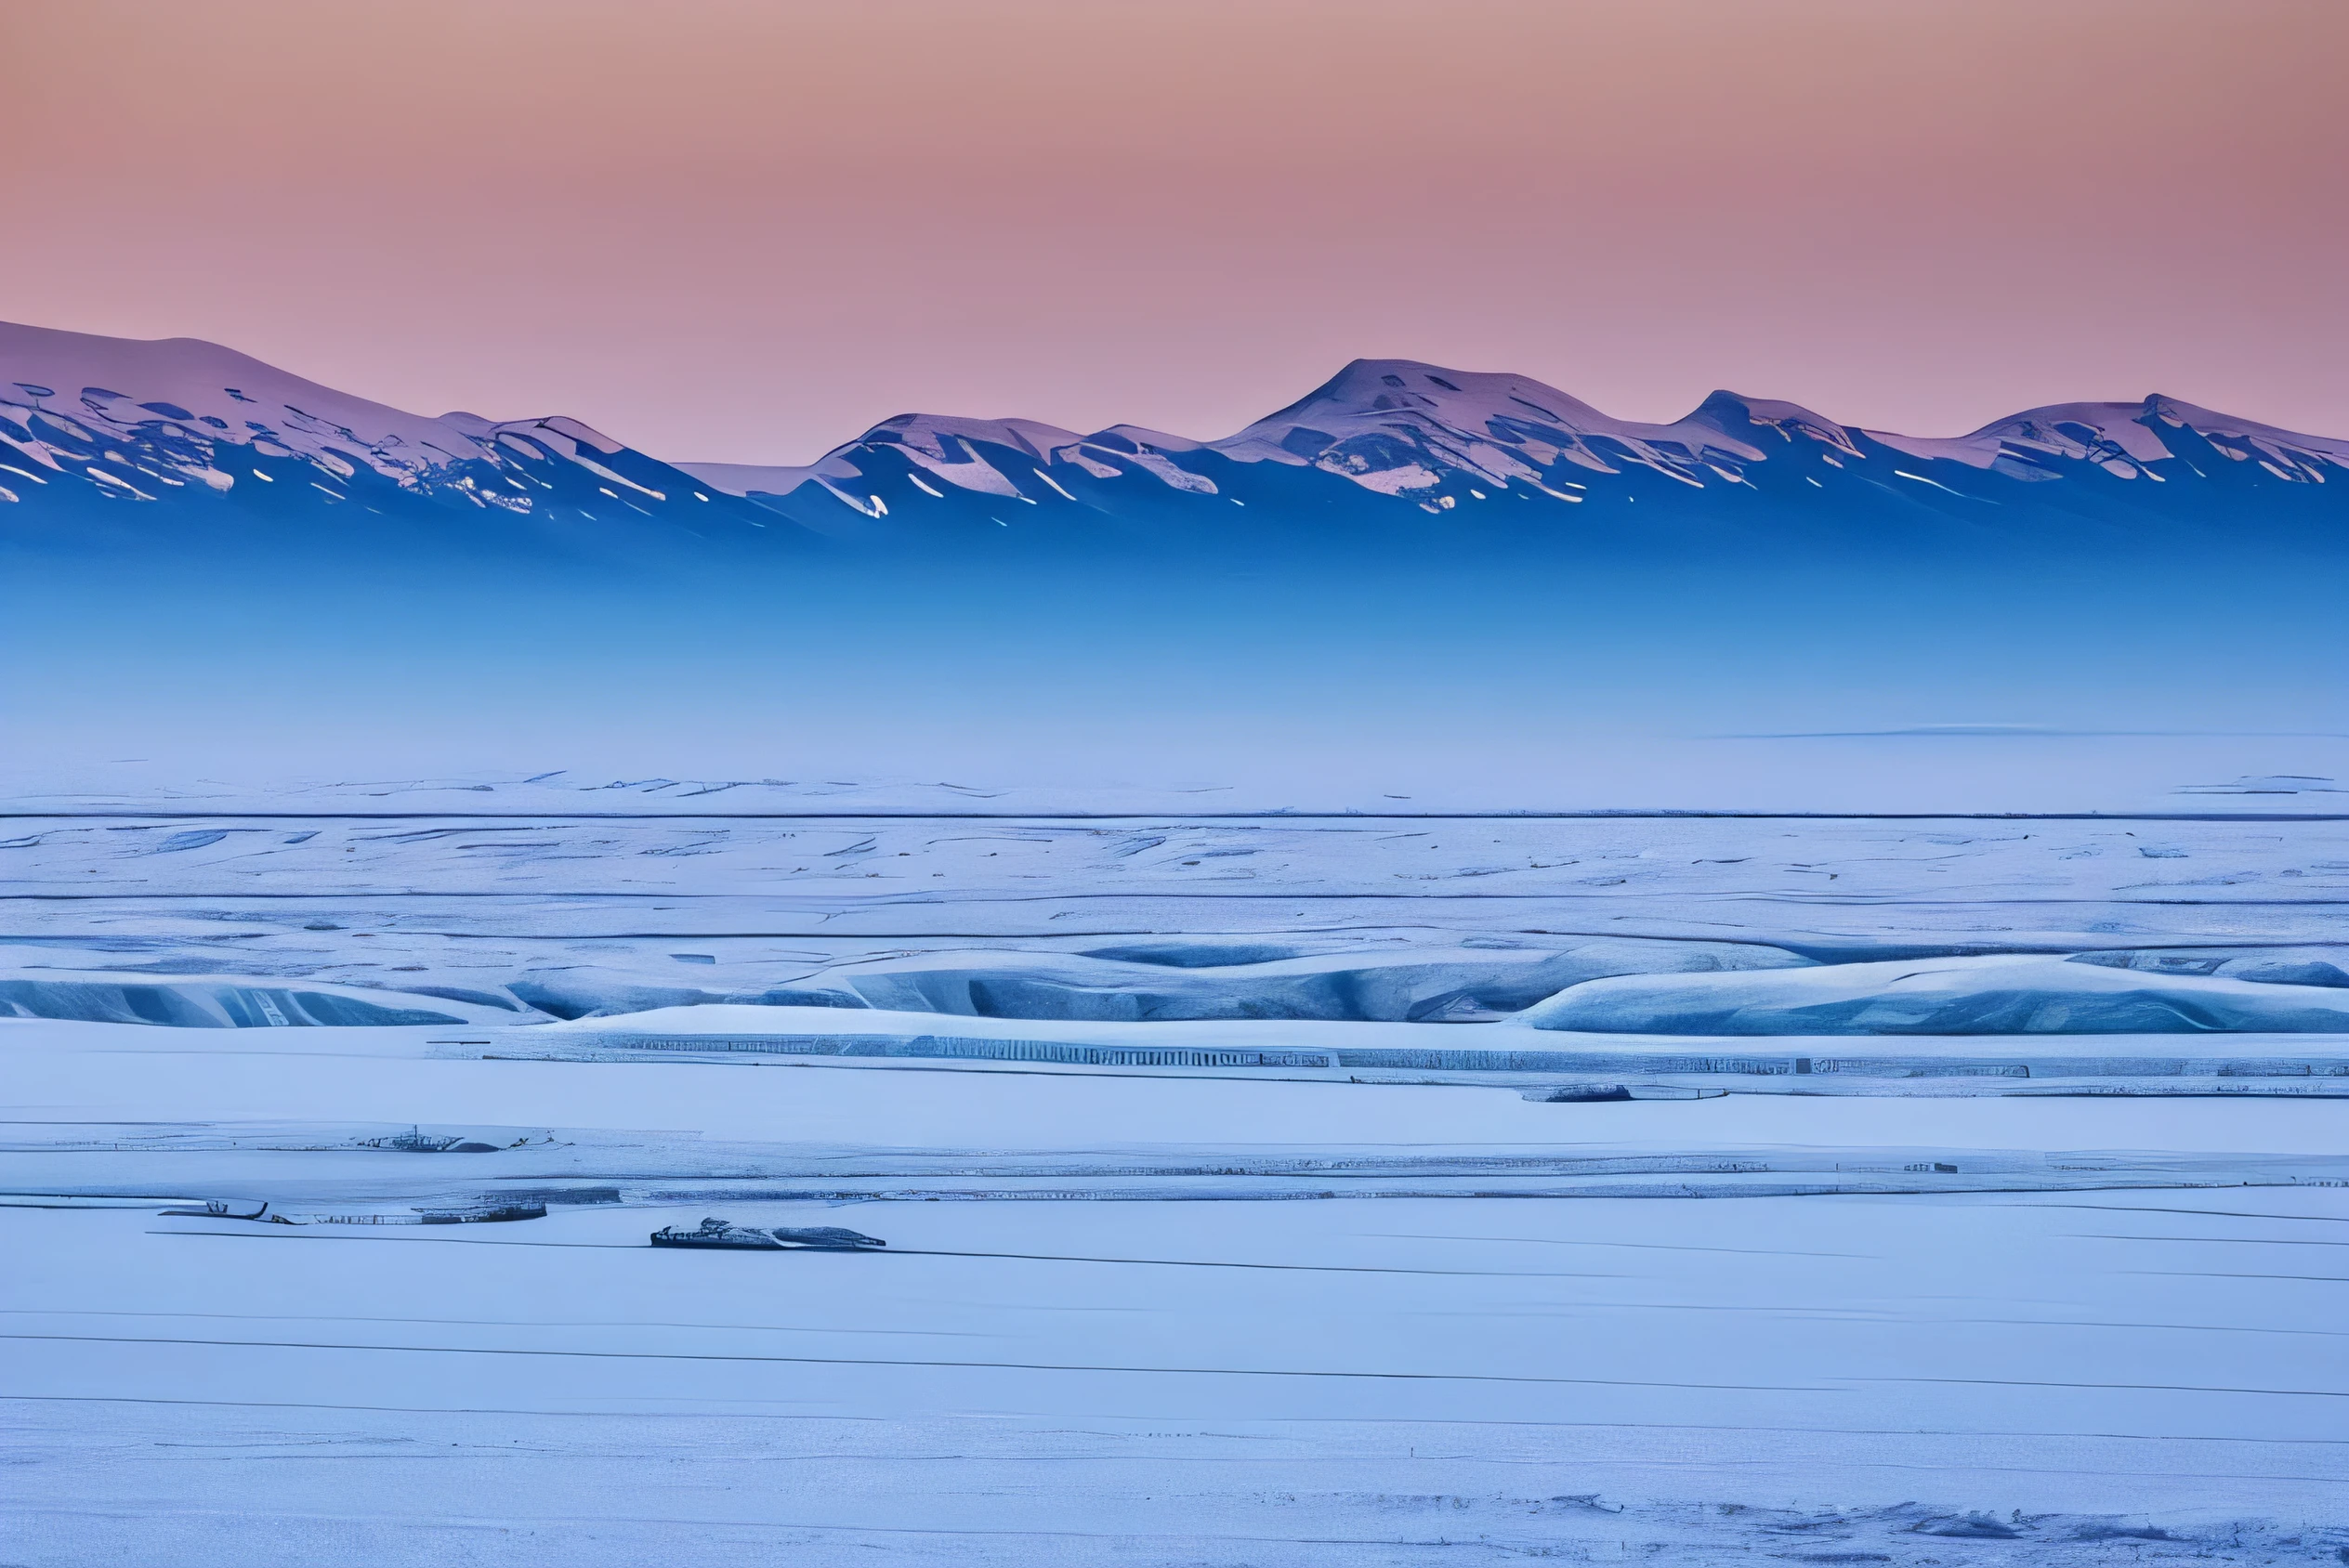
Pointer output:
x,y
2071,1378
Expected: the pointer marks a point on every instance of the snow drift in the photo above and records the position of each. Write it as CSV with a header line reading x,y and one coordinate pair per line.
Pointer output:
x,y
1956,996
1425,985
223,1002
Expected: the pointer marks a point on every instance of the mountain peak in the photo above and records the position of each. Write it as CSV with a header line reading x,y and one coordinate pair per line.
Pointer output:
x,y
1386,387
88,417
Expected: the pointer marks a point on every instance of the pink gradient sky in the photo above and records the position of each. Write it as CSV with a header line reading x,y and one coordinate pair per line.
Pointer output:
x,y
745,232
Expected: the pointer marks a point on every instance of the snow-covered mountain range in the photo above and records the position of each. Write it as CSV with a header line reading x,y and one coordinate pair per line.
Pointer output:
x,y
182,425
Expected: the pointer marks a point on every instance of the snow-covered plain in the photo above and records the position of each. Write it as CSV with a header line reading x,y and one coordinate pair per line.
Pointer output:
x,y
1164,1285
1052,1378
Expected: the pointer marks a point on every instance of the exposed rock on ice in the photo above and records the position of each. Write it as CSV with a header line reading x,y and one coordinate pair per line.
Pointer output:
x,y
1959,996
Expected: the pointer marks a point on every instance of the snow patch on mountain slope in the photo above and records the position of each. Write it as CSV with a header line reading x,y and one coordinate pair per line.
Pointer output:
x,y
147,421
202,387
142,420
1013,459
1402,428
2125,439
1395,426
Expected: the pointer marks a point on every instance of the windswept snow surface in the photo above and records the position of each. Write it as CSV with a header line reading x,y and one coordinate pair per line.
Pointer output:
x,y
1235,1214
1074,1367
655,898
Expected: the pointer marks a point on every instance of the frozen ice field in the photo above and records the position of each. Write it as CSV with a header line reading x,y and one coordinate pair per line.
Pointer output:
x,y
1168,918
1165,1284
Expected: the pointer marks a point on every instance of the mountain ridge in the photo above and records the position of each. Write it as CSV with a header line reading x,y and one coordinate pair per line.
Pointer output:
x,y
179,422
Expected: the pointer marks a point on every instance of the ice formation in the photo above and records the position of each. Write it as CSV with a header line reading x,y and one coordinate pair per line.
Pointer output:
x,y
1406,985
1664,925
1946,995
